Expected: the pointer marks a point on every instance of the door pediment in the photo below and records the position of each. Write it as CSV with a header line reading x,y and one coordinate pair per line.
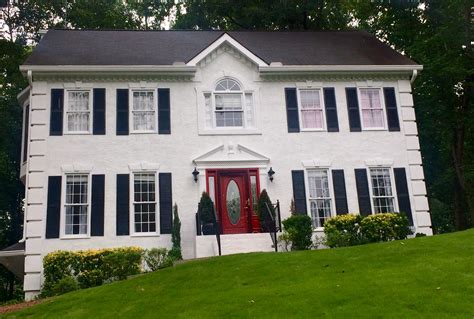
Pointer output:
x,y
231,155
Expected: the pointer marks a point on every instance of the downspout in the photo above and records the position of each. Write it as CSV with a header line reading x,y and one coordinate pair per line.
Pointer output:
x,y
413,76
29,76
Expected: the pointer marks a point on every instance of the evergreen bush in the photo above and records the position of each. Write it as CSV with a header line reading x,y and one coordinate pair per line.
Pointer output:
x,y
300,231
175,252
262,211
343,230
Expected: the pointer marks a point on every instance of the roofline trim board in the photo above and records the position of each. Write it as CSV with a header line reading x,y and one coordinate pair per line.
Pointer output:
x,y
340,68
226,38
113,68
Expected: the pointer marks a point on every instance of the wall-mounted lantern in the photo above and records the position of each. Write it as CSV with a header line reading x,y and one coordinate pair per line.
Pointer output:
x,y
195,174
271,172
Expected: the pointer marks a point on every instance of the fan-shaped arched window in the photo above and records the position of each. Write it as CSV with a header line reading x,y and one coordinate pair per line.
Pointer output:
x,y
229,106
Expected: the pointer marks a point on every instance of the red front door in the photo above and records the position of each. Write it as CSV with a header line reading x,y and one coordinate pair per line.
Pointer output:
x,y
234,212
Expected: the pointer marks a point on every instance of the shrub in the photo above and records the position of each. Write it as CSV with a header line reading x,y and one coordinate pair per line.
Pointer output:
x,y
158,258
343,230
385,227
420,235
64,285
207,211
299,231
175,252
262,210
89,268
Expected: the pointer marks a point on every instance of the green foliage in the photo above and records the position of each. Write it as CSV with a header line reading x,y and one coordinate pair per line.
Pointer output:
x,y
158,258
175,252
343,230
64,285
385,227
441,217
264,204
351,230
300,231
207,209
89,268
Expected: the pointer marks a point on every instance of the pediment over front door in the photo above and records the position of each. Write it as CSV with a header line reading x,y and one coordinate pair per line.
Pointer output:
x,y
231,155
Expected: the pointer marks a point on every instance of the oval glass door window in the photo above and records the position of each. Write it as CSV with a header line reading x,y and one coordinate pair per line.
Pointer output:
x,y
233,202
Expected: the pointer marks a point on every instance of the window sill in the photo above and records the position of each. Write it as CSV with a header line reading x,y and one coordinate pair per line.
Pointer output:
x,y
143,132
379,129
241,131
145,235
313,130
77,133
67,237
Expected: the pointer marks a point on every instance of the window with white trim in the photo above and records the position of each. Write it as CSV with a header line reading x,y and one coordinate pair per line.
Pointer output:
x,y
144,202
228,106
371,108
78,111
383,198
320,201
76,204
143,111
311,109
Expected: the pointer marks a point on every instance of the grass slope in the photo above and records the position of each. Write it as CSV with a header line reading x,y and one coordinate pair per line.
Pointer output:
x,y
430,277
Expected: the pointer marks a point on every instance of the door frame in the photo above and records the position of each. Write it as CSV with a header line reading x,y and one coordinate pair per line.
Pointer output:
x,y
253,224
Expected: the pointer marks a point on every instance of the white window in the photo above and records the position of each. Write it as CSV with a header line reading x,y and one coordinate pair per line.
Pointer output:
x,y
78,111
143,111
319,196
76,204
383,198
144,202
372,109
229,107
311,109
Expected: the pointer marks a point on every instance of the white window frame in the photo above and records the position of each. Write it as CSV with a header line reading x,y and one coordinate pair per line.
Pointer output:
x,y
155,110
307,191
300,108
63,205
382,104
66,111
392,184
133,233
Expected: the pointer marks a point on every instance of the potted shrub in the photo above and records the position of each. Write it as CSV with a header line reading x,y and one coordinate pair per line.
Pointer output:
x,y
262,211
207,214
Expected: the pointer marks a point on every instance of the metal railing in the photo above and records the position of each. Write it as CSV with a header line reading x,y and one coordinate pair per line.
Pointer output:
x,y
216,227
272,222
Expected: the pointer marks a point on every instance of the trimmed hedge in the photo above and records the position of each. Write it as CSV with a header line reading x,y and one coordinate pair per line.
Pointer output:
x,y
89,267
351,230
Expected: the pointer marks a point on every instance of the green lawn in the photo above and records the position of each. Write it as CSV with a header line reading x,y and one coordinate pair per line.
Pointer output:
x,y
429,277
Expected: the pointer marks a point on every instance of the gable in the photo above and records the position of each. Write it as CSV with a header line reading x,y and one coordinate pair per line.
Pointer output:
x,y
231,154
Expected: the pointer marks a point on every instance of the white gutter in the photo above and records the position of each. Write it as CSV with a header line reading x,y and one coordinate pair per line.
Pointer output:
x,y
340,68
109,68
413,76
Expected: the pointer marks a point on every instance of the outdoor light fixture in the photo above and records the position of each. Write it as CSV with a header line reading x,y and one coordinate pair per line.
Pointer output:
x,y
270,174
195,174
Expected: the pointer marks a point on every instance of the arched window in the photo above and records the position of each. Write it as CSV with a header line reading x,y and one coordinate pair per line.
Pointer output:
x,y
228,104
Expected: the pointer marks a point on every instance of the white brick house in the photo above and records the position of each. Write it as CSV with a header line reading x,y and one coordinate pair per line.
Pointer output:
x,y
117,121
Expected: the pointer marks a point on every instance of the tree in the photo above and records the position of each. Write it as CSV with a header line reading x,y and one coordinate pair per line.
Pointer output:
x,y
175,251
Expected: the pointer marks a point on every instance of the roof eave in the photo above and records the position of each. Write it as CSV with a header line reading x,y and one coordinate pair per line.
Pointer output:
x,y
339,68
178,69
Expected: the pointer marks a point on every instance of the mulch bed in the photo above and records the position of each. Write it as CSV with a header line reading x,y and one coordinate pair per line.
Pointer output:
x,y
18,306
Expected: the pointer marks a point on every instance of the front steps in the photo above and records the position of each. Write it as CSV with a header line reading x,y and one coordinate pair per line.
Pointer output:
x,y
206,245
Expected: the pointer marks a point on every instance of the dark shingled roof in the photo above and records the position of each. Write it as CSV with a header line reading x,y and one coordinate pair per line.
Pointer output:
x,y
122,47
14,247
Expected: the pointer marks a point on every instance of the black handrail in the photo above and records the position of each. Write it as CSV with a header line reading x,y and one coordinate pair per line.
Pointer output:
x,y
272,222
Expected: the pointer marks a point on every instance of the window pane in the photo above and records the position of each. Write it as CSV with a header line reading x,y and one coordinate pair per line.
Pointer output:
x,y
229,102
320,197
312,119
227,85
78,112
143,111
382,193
372,111
76,204
212,192
229,119
144,188
310,99
253,189
249,121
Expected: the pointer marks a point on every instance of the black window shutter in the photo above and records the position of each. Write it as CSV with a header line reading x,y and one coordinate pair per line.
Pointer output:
x,y
391,108
122,111
299,192
97,205
331,109
166,203
402,193
353,109
292,110
340,194
363,192
164,113
57,107
123,207
98,127
53,209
